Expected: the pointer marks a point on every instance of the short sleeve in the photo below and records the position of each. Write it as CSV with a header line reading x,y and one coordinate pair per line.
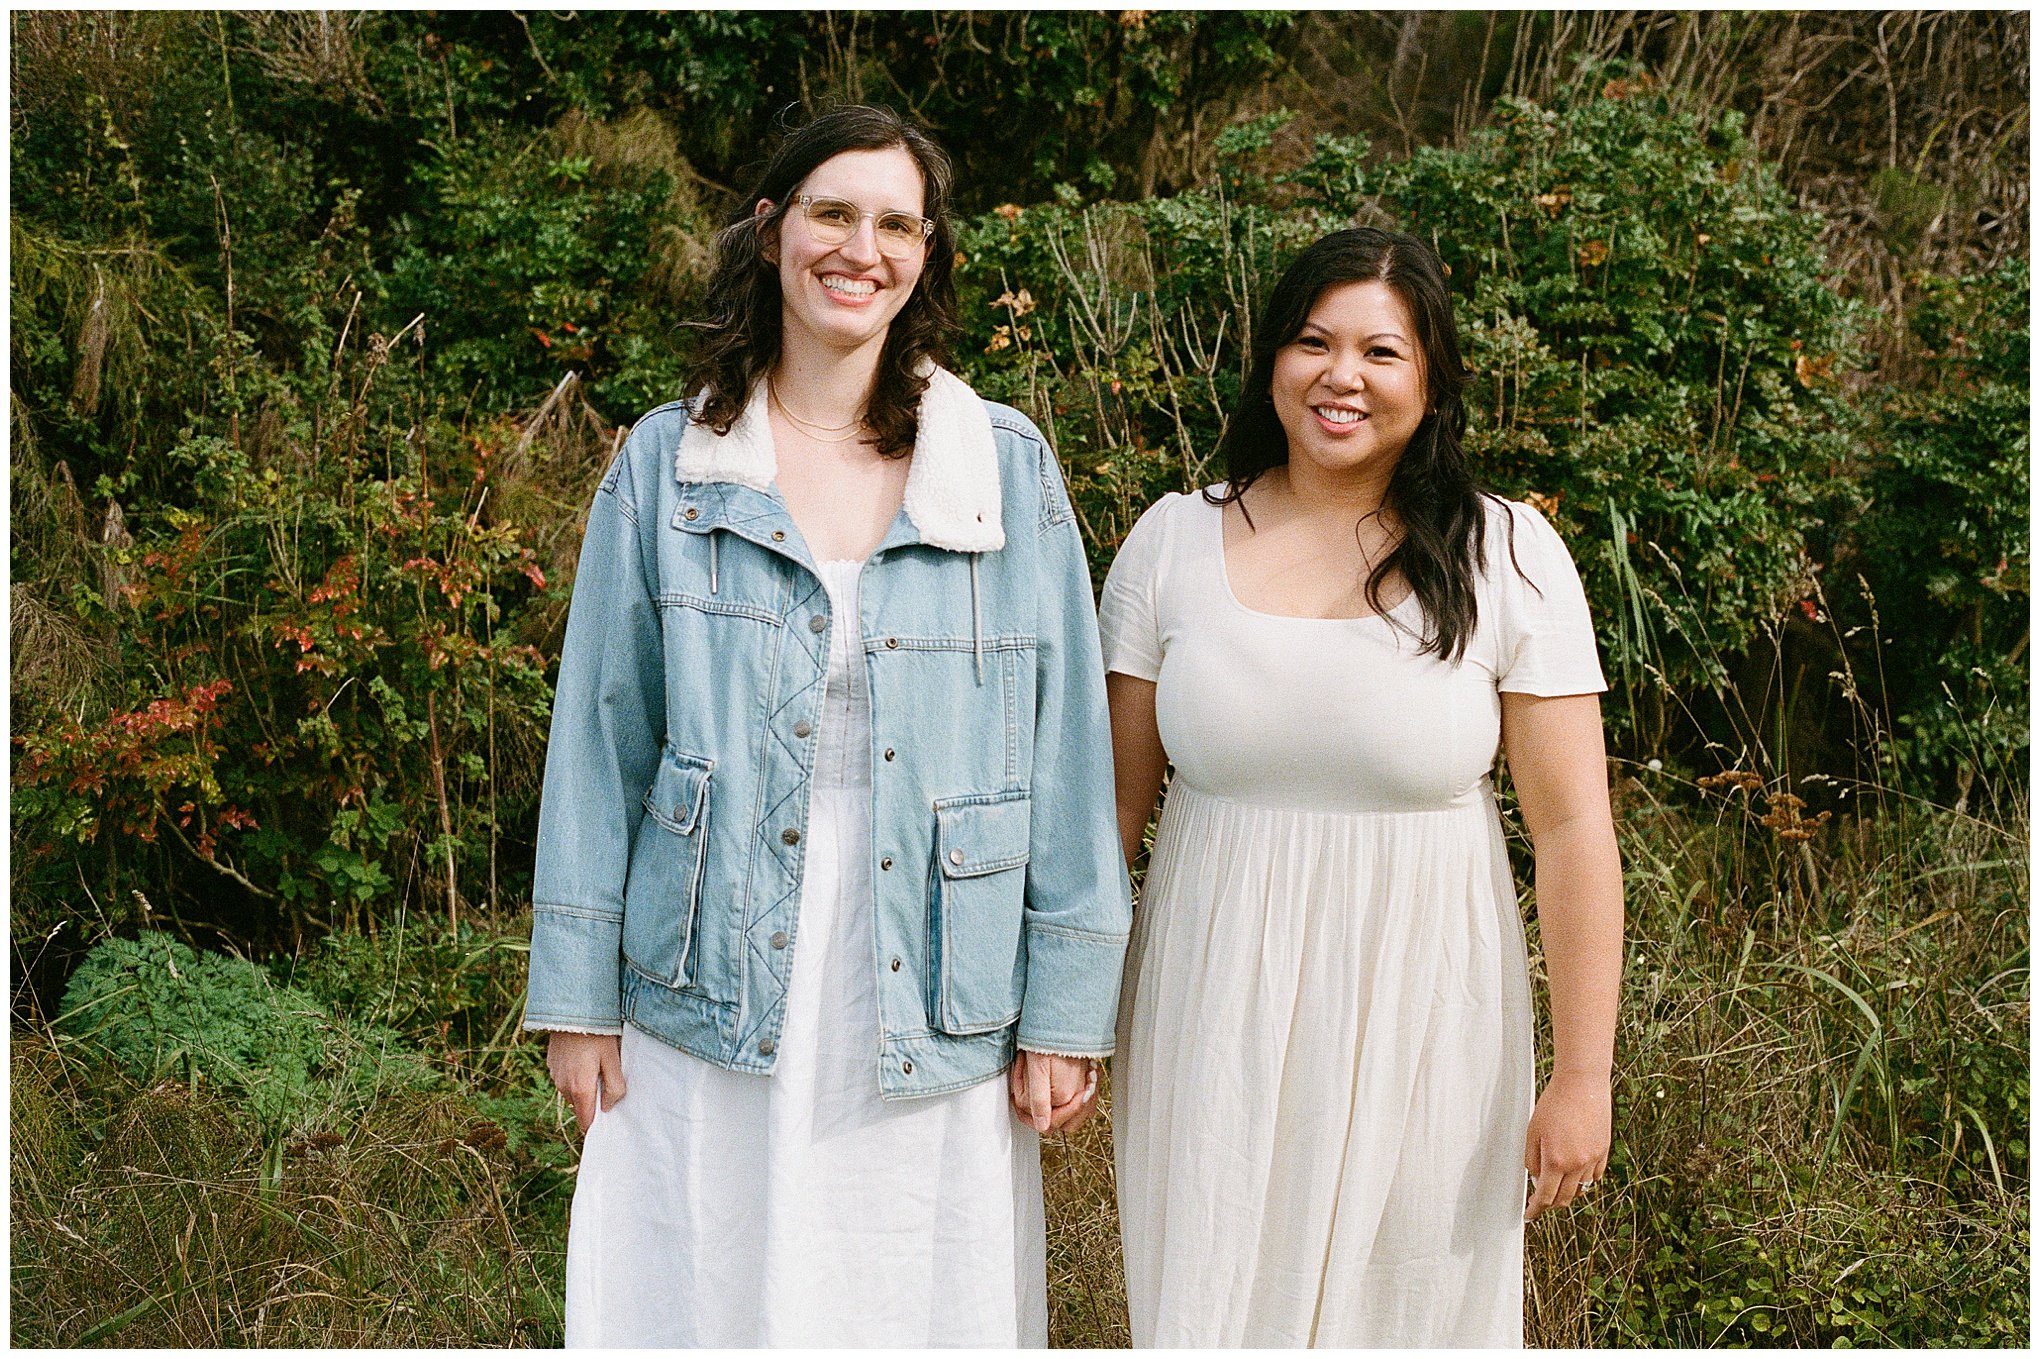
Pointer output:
x,y
1129,631
1546,640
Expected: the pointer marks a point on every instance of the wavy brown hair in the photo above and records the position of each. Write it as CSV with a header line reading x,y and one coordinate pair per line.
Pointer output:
x,y
741,332
1433,496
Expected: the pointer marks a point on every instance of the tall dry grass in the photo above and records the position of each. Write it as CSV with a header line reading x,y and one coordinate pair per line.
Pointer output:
x,y
1795,1161
1769,1160
140,1219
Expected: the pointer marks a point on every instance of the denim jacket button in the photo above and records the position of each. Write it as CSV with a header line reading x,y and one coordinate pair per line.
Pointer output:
x,y
885,864
801,729
693,513
779,535
766,1047
679,811
956,856
907,1067
892,644
888,754
895,964
817,623
779,939
790,836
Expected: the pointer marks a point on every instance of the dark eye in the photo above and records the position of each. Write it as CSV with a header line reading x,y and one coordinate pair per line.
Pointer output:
x,y
829,212
900,225
1311,341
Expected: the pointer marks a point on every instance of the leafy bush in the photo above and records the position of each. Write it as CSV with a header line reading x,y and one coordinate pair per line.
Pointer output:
x,y
573,250
1646,316
1657,349
1946,542
154,1008
315,644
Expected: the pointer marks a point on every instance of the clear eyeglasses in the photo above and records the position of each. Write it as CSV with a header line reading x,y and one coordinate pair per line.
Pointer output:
x,y
833,221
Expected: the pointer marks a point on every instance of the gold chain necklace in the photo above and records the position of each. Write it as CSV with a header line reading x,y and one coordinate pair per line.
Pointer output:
x,y
809,428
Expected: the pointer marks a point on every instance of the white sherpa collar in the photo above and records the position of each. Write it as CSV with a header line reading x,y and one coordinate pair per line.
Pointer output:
x,y
952,492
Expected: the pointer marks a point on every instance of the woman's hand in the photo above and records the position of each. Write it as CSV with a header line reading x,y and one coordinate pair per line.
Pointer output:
x,y
1051,1093
583,1066
1567,1146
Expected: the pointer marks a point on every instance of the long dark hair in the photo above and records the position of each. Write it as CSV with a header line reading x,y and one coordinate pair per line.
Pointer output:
x,y
1432,494
741,336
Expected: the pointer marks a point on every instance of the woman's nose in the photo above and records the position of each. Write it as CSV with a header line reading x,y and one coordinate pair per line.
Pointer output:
x,y
1345,373
862,247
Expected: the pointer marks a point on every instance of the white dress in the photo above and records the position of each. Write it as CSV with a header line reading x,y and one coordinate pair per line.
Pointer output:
x,y
798,1209
1326,1067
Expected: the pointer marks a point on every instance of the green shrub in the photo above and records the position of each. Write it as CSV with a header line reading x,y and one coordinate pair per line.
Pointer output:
x,y
155,1008
569,250
323,688
1946,542
1654,345
1658,349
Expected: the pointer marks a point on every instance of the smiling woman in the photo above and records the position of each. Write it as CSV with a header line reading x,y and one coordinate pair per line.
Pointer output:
x,y
1326,1104
750,302
796,908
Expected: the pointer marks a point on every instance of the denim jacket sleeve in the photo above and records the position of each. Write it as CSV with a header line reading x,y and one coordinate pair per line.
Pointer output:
x,y
608,716
1078,908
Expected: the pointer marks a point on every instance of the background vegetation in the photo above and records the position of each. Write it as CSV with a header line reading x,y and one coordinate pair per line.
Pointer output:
x,y
324,326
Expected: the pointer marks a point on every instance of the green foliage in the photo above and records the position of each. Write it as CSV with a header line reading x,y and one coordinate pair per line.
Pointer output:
x,y
1946,543
364,1116
1646,317
159,1217
1821,1090
290,555
307,313
1654,339
1117,327
305,650
539,261
154,1008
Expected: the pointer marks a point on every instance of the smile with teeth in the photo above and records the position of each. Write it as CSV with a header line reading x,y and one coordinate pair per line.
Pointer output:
x,y
1340,415
849,287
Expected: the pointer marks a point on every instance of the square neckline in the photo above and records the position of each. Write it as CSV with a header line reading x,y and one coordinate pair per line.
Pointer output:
x,y
1225,587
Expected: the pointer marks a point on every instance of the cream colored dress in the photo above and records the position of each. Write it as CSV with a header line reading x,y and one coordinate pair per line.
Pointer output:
x,y
1326,1065
722,1209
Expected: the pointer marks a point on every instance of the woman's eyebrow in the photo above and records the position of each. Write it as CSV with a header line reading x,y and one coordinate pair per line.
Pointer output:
x,y
1318,330
842,198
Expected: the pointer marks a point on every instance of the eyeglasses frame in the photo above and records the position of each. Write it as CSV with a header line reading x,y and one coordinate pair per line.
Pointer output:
x,y
802,202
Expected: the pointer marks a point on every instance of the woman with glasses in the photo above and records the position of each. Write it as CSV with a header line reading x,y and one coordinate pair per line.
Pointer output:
x,y
797,907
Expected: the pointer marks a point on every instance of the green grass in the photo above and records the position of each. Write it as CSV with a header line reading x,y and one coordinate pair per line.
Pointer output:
x,y
141,1219
1821,1131
1821,1096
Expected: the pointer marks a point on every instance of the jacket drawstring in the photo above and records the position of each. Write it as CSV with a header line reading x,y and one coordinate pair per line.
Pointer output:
x,y
977,622
712,582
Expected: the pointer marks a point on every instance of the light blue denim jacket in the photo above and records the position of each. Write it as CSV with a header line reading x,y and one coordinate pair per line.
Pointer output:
x,y
672,829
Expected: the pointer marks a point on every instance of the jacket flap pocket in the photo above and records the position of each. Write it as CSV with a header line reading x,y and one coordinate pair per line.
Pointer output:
x,y
981,834
679,792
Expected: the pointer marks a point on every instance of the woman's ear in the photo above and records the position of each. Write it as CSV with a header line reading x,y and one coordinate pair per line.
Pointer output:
x,y
769,247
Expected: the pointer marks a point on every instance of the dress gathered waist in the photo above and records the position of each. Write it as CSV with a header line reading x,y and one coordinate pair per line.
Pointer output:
x,y
1480,796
